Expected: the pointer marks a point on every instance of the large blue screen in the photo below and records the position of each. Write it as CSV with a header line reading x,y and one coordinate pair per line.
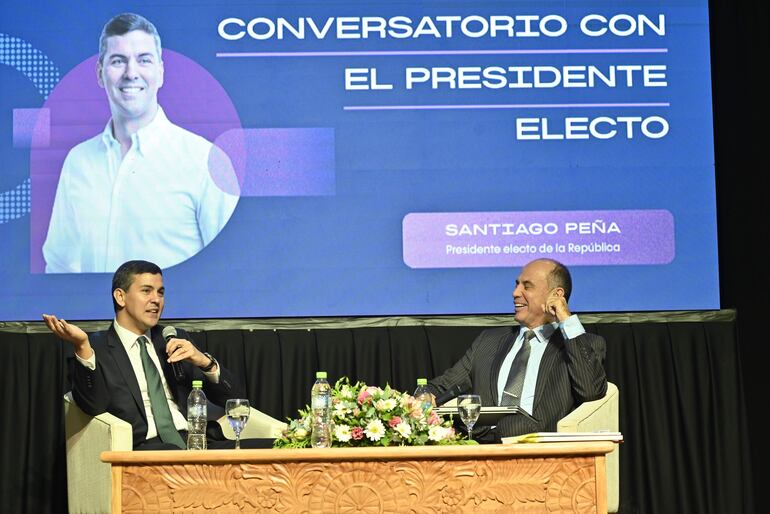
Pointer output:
x,y
362,158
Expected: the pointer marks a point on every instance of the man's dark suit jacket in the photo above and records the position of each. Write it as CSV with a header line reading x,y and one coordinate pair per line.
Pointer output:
x,y
571,372
112,387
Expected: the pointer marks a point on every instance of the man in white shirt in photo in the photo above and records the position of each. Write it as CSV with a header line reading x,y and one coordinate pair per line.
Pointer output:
x,y
144,186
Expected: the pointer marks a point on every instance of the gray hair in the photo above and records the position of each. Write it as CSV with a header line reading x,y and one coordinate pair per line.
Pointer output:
x,y
560,276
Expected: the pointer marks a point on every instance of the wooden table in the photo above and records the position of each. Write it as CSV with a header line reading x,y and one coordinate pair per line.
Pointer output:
x,y
541,477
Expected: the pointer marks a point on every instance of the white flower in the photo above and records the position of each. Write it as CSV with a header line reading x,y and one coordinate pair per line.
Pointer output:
x,y
347,392
340,410
405,429
300,433
386,405
342,433
437,433
375,430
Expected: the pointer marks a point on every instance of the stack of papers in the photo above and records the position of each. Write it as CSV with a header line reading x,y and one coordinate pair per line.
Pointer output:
x,y
563,437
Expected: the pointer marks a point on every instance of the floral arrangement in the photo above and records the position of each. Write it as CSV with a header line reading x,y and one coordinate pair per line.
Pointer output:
x,y
365,415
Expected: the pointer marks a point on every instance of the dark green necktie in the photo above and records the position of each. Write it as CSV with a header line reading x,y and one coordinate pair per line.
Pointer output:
x,y
515,383
158,402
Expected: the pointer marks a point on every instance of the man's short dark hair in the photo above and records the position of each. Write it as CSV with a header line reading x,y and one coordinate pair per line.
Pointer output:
x,y
560,277
125,274
123,24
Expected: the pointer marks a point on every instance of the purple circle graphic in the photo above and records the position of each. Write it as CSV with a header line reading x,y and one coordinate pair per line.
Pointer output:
x,y
191,97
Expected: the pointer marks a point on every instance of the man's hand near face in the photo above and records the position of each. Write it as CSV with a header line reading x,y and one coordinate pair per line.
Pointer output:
x,y
556,305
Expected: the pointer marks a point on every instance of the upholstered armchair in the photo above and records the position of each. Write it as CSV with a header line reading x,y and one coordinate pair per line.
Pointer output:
x,y
89,481
596,416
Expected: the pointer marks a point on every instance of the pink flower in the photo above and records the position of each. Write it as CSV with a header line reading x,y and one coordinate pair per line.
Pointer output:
x,y
357,433
394,421
433,418
364,396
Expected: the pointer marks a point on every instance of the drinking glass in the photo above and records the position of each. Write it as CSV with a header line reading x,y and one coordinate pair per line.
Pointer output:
x,y
469,408
237,410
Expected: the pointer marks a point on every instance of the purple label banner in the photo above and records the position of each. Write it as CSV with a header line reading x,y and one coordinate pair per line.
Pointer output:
x,y
502,239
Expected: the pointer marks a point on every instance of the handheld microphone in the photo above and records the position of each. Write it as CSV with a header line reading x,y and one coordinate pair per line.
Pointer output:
x,y
168,334
450,394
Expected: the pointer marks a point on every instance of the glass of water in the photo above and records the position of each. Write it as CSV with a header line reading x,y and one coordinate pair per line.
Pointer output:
x,y
469,408
237,411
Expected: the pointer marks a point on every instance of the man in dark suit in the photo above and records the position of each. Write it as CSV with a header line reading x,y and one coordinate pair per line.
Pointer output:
x,y
127,370
562,367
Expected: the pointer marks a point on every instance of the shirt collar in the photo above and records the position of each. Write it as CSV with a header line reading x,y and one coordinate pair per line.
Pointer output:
x,y
543,332
127,338
146,138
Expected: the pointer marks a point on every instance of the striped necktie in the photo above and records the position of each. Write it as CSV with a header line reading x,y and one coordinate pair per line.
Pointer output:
x,y
515,383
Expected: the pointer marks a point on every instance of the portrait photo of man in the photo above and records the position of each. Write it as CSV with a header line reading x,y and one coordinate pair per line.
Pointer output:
x,y
143,187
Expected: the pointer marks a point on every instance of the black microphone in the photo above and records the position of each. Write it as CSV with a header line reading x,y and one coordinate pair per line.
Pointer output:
x,y
168,334
450,394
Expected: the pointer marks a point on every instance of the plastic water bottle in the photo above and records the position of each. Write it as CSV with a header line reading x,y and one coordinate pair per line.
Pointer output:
x,y
423,394
320,405
196,417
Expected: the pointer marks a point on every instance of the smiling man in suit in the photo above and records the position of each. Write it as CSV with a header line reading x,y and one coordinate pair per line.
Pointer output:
x,y
548,365
127,370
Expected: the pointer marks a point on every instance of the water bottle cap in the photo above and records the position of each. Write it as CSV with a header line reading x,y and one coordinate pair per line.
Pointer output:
x,y
197,383
320,374
422,381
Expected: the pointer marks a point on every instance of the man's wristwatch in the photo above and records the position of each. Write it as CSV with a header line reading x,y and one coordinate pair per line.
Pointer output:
x,y
211,364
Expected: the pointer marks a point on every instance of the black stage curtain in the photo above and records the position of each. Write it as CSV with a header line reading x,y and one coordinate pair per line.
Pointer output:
x,y
682,411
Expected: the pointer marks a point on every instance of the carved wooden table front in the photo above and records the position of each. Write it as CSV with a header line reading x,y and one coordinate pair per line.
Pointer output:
x,y
544,477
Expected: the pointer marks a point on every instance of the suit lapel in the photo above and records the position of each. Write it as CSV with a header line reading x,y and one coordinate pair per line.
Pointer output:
x,y
505,346
550,357
126,370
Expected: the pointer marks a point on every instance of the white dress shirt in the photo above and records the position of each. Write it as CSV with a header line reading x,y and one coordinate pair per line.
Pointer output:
x,y
570,328
130,343
159,202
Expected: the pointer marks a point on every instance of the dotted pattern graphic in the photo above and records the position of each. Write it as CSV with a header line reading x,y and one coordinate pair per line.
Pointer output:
x,y
36,66
15,203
